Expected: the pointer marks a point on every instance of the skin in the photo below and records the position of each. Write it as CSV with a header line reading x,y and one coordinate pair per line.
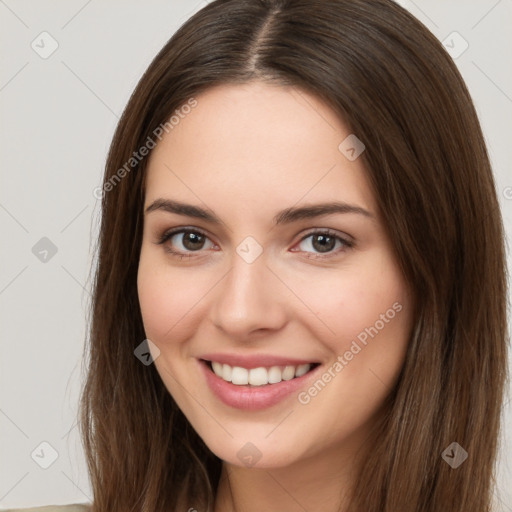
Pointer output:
x,y
247,152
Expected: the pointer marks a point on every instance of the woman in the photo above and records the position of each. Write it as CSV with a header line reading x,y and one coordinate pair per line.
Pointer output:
x,y
300,294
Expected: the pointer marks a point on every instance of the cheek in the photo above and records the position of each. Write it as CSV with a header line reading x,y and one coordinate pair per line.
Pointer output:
x,y
357,301
372,321
168,300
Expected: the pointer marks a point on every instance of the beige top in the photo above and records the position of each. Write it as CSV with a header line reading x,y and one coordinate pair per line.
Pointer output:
x,y
53,508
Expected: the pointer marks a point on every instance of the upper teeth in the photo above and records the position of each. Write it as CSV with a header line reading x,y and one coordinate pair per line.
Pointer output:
x,y
258,376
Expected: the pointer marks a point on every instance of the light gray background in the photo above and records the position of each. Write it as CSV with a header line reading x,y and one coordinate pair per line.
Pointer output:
x,y
57,118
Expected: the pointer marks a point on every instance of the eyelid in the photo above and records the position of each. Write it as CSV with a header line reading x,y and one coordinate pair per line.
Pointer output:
x,y
184,229
328,231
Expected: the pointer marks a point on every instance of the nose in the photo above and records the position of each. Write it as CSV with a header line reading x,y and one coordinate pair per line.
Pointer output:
x,y
248,299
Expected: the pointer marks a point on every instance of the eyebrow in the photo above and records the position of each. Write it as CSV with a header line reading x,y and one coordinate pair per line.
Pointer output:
x,y
286,216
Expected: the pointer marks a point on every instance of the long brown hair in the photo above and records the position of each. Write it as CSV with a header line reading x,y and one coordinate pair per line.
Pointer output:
x,y
392,83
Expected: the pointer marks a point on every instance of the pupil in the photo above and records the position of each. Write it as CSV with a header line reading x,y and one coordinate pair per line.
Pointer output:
x,y
193,241
326,243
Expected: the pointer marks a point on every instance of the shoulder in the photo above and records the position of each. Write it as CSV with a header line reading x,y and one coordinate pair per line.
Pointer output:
x,y
53,508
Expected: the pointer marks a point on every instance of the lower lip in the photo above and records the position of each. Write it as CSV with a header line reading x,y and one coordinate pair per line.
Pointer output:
x,y
253,397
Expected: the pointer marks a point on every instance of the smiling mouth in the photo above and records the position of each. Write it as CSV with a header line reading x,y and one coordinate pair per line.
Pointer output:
x,y
261,376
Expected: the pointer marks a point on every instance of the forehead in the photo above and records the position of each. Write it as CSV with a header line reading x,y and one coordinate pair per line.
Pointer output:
x,y
256,146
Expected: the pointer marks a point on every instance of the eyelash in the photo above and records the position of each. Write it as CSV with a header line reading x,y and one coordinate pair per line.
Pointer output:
x,y
348,244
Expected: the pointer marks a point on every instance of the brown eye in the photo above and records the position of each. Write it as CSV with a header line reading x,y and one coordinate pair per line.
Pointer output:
x,y
323,242
193,241
183,241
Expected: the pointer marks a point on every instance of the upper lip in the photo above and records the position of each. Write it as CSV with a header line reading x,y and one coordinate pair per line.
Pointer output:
x,y
255,360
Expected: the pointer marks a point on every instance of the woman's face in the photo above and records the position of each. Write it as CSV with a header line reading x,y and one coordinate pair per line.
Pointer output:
x,y
264,257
